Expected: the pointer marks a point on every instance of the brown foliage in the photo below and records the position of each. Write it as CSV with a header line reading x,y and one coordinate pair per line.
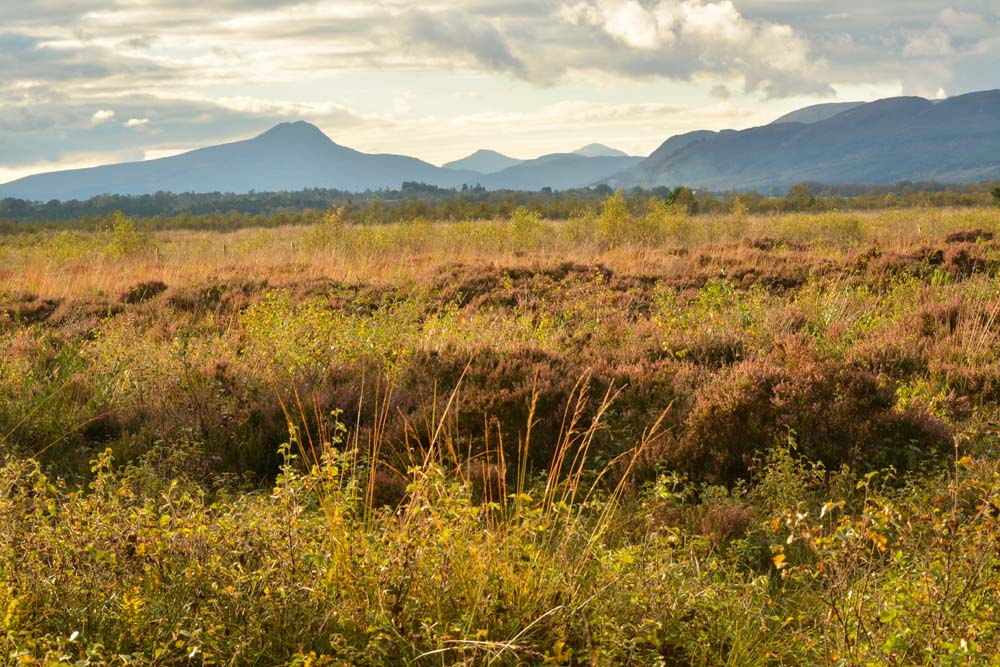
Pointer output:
x,y
143,292
838,413
969,236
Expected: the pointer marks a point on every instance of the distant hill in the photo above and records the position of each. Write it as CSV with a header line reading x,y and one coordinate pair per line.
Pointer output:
x,y
816,113
599,150
904,138
483,162
290,156
559,171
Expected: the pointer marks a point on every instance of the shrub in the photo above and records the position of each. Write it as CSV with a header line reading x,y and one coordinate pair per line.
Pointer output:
x,y
614,221
840,414
526,228
125,239
143,292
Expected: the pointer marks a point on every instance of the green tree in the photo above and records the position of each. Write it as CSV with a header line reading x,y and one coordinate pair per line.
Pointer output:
x,y
526,227
683,200
800,197
125,239
996,194
613,222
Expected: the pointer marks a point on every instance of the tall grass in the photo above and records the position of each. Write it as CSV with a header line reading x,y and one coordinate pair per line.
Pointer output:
x,y
60,265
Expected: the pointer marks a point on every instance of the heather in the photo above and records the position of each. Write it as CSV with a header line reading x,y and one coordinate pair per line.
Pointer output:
x,y
633,436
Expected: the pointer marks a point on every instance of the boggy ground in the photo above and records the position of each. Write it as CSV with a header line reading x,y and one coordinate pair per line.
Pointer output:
x,y
632,438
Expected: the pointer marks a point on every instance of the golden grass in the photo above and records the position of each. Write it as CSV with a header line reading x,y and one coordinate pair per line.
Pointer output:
x,y
68,265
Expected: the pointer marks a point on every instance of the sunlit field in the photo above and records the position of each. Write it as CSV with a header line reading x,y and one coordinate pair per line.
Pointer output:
x,y
633,437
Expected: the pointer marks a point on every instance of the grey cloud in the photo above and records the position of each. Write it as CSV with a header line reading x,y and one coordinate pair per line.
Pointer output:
x,y
27,58
141,43
46,12
463,34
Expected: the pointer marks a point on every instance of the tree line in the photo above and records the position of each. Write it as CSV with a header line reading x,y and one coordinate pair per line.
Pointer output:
x,y
226,211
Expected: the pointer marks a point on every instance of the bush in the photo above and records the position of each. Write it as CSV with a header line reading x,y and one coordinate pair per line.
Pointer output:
x,y
839,414
614,221
125,239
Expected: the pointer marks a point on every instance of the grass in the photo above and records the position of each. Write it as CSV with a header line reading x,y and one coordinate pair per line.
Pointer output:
x,y
630,438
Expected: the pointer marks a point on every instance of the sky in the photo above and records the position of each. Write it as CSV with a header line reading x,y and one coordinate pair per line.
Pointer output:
x,y
89,82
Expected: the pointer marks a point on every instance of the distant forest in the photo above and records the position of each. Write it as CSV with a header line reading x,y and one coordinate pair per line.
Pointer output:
x,y
219,211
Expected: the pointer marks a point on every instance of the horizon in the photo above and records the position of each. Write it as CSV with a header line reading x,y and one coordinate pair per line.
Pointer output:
x,y
107,81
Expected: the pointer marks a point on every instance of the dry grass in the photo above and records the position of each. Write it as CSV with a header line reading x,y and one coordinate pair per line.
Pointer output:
x,y
66,265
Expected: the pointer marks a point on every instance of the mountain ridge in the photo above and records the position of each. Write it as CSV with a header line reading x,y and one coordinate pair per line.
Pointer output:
x,y
816,113
885,141
559,171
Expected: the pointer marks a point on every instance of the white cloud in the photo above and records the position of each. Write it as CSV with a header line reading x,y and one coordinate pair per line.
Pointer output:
x,y
101,116
695,37
137,122
928,44
627,21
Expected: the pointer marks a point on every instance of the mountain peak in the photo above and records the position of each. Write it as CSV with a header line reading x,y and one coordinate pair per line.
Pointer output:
x,y
599,150
298,131
483,161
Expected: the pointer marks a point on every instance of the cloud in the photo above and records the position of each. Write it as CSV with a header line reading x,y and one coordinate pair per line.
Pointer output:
x,y
259,41
465,35
101,116
136,122
626,21
720,91
682,39
928,43
965,24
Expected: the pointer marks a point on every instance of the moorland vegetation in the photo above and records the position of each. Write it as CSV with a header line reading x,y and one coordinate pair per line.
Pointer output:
x,y
633,436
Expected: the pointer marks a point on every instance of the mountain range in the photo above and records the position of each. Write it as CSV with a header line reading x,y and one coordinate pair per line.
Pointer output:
x,y
492,162
956,140
296,156
902,138
559,171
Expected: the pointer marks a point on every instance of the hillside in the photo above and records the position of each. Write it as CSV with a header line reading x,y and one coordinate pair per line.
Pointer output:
x,y
290,156
904,138
816,113
559,171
